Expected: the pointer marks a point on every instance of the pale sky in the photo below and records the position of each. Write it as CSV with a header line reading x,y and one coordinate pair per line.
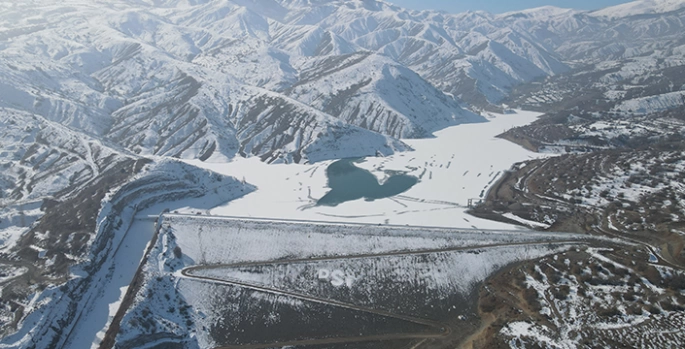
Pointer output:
x,y
500,6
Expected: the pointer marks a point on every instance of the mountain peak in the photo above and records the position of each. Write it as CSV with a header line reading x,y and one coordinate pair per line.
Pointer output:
x,y
540,12
640,7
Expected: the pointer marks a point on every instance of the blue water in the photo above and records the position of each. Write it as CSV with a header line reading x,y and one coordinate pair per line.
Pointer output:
x,y
349,182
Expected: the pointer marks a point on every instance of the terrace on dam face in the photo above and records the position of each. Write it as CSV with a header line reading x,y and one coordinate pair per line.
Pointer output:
x,y
237,283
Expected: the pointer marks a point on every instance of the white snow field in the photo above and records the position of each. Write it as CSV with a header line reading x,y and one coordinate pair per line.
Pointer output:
x,y
458,164
107,301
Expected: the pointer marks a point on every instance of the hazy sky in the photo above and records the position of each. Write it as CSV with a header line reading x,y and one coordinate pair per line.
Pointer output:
x,y
500,6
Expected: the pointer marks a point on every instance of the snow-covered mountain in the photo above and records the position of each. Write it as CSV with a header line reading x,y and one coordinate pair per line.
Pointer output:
x,y
621,32
95,95
194,80
642,7
186,79
270,78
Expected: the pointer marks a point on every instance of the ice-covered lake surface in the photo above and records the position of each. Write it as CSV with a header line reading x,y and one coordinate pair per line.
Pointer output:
x,y
458,164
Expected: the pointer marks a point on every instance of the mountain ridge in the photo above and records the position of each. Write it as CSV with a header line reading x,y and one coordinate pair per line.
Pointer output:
x,y
173,61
